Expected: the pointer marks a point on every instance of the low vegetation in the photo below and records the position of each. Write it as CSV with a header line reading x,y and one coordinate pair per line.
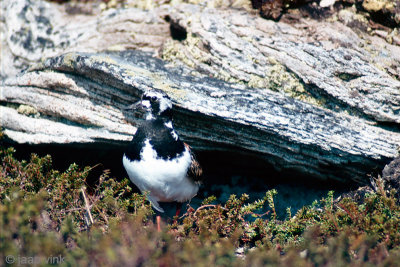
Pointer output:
x,y
53,217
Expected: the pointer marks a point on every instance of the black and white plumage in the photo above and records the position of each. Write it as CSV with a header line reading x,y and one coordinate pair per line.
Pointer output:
x,y
156,160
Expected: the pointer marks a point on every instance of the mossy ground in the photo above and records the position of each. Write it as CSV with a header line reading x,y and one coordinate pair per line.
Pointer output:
x,y
47,214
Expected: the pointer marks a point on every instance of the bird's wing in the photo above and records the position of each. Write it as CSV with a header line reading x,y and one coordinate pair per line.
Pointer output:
x,y
195,171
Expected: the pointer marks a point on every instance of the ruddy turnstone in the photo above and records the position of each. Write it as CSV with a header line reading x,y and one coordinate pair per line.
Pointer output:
x,y
156,160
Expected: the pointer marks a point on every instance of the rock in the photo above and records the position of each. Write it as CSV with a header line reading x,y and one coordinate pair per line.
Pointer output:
x,y
80,98
327,3
392,170
385,12
358,195
312,96
32,30
323,63
390,180
391,175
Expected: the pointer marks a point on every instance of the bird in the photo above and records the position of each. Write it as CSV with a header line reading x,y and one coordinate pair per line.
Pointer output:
x,y
157,161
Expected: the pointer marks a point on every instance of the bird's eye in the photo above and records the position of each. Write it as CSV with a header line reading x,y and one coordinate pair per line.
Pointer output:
x,y
153,98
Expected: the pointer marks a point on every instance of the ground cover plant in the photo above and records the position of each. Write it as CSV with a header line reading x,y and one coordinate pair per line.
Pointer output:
x,y
53,217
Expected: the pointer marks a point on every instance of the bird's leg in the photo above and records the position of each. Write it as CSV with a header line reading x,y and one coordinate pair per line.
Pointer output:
x,y
178,208
178,211
158,219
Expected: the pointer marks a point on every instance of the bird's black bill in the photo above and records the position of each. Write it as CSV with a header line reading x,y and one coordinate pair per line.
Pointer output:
x,y
137,109
134,106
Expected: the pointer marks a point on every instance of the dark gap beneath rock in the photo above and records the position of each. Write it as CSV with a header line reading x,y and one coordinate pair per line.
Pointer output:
x,y
224,174
390,126
345,76
177,31
384,18
314,11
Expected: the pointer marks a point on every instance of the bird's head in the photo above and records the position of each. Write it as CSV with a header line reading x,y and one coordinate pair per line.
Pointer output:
x,y
154,104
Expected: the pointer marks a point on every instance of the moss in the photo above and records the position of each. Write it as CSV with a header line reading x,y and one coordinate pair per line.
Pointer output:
x,y
28,111
175,50
69,59
281,80
103,59
43,214
277,78
378,5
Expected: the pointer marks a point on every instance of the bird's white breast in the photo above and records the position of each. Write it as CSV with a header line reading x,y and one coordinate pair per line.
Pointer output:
x,y
166,180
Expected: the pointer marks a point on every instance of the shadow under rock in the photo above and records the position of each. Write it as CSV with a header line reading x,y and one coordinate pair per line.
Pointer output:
x,y
224,174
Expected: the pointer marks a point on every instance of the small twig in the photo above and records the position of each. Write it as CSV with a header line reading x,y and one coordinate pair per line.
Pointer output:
x,y
102,214
200,208
353,218
333,220
69,210
87,206
206,206
219,216
203,207
260,215
92,167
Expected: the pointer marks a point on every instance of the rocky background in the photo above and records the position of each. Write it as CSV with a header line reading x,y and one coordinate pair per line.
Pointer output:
x,y
310,88
283,101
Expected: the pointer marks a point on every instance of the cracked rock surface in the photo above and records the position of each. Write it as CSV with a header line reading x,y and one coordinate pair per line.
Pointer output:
x,y
315,97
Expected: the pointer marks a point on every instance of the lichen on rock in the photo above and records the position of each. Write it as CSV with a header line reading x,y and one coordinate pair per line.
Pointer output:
x,y
28,111
378,5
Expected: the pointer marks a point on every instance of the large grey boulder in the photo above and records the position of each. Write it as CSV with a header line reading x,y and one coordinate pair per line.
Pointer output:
x,y
314,97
